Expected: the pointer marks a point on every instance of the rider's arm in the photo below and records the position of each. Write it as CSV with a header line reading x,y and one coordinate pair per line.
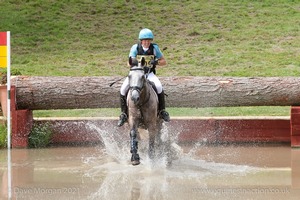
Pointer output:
x,y
162,61
159,55
133,52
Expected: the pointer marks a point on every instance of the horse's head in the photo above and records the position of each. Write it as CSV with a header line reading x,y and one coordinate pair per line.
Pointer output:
x,y
137,79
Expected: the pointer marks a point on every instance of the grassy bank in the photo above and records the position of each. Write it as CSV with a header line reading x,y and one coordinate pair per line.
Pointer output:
x,y
179,112
198,38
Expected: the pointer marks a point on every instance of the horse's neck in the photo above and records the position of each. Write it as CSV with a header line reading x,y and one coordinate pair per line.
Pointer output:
x,y
146,91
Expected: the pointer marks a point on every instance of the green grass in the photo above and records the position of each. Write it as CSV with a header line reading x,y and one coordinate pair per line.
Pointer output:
x,y
241,38
203,38
174,112
40,136
3,136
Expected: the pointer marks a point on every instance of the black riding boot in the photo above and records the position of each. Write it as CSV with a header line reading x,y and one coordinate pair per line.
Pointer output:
x,y
161,107
123,116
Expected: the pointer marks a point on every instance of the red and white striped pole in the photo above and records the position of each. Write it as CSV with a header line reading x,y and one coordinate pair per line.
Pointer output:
x,y
5,63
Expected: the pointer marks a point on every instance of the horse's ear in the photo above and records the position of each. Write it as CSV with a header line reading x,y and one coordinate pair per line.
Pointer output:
x,y
133,61
143,61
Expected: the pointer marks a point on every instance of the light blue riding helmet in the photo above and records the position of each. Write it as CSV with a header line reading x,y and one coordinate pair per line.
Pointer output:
x,y
146,34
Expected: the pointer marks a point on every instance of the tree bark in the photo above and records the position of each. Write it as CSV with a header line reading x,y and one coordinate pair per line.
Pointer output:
x,y
42,93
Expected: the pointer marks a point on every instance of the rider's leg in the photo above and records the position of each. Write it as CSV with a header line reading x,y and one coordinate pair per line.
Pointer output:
x,y
161,107
161,97
123,117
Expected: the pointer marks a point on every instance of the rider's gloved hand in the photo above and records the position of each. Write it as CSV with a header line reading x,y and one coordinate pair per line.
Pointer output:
x,y
147,70
154,62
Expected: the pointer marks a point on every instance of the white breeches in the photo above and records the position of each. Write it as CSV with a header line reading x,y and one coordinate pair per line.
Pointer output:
x,y
151,77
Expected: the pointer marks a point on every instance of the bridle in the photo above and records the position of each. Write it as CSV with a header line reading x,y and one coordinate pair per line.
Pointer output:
x,y
139,89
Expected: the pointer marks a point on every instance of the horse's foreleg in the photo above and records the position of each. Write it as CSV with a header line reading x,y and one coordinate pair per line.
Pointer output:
x,y
135,158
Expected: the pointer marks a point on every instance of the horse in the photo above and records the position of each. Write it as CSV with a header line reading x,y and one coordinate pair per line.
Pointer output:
x,y
142,101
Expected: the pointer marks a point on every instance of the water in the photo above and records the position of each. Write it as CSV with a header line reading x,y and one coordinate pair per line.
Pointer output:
x,y
198,171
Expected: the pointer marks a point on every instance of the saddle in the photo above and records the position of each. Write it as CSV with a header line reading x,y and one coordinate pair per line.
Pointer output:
x,y
153,86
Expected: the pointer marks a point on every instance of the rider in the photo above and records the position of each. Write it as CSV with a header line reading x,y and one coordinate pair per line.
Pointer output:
x,y
146,48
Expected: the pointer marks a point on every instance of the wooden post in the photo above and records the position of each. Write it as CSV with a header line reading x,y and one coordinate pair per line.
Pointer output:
x,y
295,126
22,121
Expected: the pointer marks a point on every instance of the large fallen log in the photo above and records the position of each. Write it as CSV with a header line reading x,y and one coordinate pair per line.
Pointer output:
x,y
41,93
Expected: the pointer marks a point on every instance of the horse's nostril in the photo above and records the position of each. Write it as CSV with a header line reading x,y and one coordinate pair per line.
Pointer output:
x,y
135,99
135,96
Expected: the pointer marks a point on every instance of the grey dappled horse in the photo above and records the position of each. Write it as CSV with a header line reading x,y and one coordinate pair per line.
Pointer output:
x,y
142,109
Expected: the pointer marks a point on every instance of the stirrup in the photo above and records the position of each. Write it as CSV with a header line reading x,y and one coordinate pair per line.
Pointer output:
x,y
164,115
122,120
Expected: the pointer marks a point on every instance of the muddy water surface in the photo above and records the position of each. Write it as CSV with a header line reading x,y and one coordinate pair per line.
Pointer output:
x,y
199,172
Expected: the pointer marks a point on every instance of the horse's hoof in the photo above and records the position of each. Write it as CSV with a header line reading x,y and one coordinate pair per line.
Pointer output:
x,y
135,162
135,159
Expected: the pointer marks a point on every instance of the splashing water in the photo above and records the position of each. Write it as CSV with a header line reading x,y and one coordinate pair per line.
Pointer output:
x,y
116,145
153,178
